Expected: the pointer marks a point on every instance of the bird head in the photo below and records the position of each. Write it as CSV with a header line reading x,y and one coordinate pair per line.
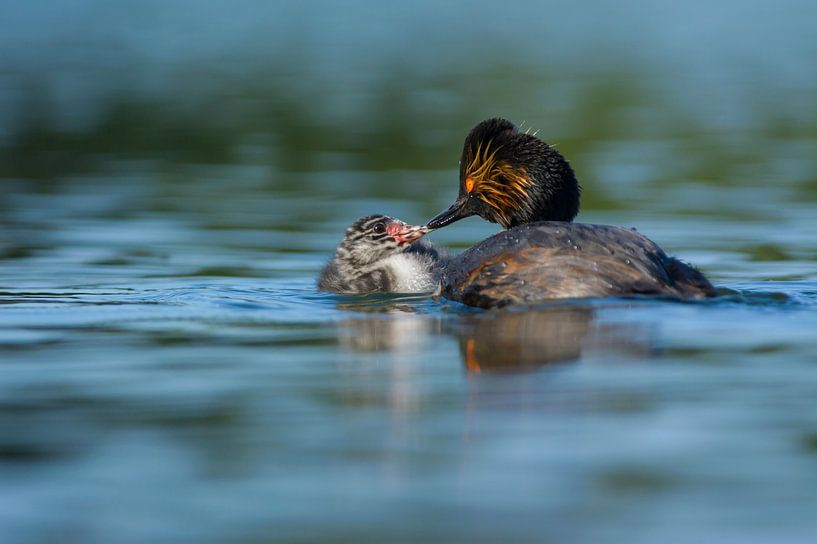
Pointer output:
x,y
376,237
511,178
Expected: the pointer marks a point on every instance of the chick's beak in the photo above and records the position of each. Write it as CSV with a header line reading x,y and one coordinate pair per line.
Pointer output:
x,y
406,234
458,210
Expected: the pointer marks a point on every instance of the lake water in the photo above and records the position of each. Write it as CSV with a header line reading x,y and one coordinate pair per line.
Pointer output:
x,y
174,177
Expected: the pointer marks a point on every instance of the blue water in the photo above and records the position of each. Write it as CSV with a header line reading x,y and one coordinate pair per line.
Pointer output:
x,y
173,179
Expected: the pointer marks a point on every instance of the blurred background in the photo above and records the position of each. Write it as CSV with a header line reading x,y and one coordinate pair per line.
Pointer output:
x,y
174,174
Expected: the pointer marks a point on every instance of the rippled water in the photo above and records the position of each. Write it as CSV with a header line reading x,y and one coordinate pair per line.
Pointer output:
x,y
169,373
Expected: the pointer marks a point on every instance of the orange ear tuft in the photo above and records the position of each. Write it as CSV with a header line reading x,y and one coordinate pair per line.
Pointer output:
x,y
469,184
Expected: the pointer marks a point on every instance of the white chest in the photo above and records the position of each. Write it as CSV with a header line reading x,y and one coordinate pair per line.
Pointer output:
x,y
412,273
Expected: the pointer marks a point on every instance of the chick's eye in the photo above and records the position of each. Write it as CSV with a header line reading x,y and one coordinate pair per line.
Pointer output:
x,y
379,228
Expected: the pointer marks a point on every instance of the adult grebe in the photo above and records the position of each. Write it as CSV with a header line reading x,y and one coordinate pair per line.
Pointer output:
x,y
517,180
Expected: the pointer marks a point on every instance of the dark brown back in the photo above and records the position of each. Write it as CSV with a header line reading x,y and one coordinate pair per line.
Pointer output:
x,y
547,260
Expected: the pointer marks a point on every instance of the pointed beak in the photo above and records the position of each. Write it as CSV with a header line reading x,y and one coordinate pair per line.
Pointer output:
x,y
458,210
406,234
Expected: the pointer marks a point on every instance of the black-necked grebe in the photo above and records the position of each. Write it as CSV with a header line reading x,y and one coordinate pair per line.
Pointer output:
x,y
382,254
515,179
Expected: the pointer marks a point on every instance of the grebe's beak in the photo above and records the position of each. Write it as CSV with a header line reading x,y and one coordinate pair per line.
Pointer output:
x,y
459,210
406,234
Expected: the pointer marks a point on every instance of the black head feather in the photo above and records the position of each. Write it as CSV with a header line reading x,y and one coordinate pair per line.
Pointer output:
x,y
512,178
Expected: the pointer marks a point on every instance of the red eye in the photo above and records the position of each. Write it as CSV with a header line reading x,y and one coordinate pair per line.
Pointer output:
x,y
469,184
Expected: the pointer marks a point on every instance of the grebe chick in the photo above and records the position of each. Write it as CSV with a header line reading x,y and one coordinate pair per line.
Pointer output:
x,y
515,179
382,254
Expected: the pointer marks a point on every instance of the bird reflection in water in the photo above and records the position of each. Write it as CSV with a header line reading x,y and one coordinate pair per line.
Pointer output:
x,y
388,367
397,331
496,341
522,340
386,345
509,341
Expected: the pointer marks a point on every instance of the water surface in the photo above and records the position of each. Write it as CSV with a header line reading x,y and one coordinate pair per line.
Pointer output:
x,y
170,374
